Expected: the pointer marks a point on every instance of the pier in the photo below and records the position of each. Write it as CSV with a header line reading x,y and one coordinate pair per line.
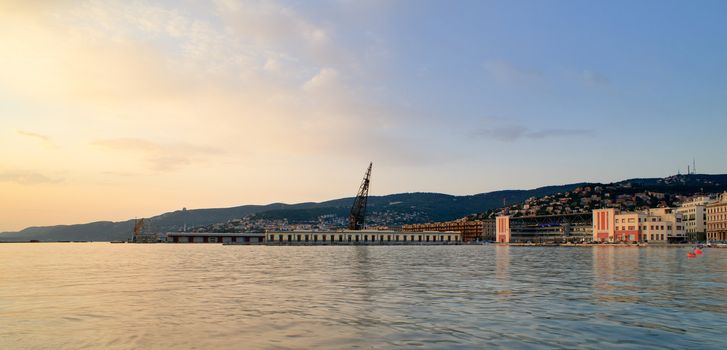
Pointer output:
x,y
362,237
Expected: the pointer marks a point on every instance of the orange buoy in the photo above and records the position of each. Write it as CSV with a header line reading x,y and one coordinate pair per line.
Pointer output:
x,y
698,251
691,255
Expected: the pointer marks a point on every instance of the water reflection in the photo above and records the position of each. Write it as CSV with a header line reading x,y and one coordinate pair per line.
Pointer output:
x,y
616,273
502,272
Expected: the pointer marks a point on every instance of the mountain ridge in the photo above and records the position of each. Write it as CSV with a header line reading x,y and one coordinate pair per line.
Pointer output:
x,y
409,207
438,206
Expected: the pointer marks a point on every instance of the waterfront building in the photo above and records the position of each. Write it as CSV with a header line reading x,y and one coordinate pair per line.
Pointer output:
x,y
490,230
471,230
215,237
603,227
362,237
657,225
558,228
717,219
502,231
694,217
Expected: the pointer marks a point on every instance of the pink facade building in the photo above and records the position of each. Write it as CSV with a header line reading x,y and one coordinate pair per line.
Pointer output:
x,y
502,233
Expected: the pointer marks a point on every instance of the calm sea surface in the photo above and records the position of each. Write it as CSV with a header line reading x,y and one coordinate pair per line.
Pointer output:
x,y
163,296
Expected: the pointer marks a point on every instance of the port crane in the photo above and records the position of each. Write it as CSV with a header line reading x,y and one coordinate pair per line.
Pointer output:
x,y
138,228
357,218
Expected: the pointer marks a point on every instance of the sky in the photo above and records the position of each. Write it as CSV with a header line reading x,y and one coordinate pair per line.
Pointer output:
x,y
111,110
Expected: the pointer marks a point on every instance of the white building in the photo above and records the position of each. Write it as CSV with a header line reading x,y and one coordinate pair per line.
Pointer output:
x,y
694,217
658,225
362,237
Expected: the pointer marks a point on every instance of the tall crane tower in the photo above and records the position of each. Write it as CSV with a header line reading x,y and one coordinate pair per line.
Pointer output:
x,y
138,230
357,218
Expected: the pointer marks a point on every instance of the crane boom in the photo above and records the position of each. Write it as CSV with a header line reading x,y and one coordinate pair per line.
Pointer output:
x,y
357,218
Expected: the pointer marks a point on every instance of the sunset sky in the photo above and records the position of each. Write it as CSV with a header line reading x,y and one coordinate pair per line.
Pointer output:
x,y
111,110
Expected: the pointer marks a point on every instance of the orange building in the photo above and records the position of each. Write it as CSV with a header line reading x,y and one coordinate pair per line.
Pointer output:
x,y
470,230
503,229
717,219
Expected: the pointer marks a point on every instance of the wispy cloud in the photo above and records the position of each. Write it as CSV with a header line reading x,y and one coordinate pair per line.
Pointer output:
x,y
509,73
34,135
326,78
518,132
160,156
25,177
594,78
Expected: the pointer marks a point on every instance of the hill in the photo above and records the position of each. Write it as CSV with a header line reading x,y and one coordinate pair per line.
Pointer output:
x,y
406,208
395,209
628,195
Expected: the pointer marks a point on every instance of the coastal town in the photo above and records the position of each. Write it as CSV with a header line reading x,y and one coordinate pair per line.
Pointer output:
x,y
612,213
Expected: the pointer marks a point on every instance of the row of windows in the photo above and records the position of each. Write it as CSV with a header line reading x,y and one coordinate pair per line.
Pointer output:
x,y
656,237
717,226
717,236
651,227
720,209
633,220
364,238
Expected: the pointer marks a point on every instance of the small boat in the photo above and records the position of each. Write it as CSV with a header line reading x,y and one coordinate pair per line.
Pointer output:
x,y
691,255
698,251
117,242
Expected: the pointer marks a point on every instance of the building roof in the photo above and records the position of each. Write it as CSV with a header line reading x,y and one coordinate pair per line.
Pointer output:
x,y
215,234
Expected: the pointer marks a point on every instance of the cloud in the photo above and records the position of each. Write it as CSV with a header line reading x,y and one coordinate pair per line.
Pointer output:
x,y
259,77
26,177
271,23
517,132
325,79
129,144
594,79
549,133
161,157
509,73
34,135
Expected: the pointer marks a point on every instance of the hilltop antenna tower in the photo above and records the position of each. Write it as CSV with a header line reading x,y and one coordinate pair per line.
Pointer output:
x,y
694,166
357,218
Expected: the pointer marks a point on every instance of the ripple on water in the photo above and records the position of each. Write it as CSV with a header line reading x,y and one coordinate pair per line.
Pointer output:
x,y
99,295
